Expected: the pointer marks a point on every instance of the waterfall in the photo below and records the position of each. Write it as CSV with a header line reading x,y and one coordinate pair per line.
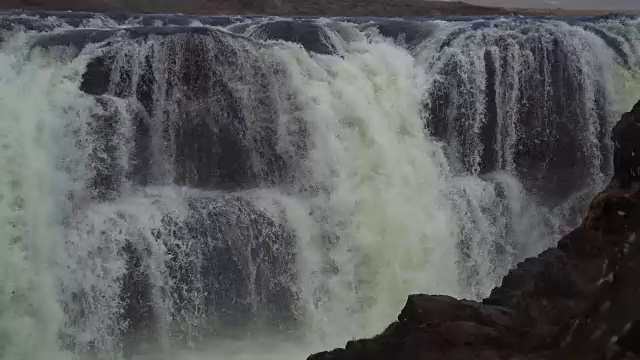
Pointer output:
x,y
525,109
197,187
39,97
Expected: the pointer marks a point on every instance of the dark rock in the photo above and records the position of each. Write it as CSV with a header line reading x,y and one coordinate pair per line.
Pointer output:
x,y
311,36
441,309
78,38
546,155
211,132
630,339
233,266
625,137
580,300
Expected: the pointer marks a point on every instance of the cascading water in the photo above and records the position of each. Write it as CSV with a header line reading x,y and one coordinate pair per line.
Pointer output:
x,y
199,187
525,108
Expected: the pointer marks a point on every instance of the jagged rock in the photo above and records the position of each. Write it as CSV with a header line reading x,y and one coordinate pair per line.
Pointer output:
x,y
625,137
580,300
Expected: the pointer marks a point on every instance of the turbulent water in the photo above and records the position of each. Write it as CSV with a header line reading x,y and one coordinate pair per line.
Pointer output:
x,y
238,188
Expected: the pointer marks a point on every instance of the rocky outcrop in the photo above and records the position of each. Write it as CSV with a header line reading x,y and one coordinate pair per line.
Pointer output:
x,y
579,300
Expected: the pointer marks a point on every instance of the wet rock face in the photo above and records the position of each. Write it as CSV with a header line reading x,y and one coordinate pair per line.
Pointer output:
x,y
194,108
200,105
627,148
580,300
232,266
533,136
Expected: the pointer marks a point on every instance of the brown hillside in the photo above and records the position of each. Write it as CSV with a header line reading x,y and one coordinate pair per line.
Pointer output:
x,y
285,7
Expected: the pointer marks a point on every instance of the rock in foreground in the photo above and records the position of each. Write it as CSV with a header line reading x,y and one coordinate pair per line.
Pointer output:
x,y
580,300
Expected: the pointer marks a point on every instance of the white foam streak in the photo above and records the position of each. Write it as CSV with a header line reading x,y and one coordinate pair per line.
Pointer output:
x,y
380,197
38,98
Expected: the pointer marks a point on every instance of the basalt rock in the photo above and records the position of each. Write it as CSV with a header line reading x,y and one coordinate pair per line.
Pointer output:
x,y
579,300
232,264
190,117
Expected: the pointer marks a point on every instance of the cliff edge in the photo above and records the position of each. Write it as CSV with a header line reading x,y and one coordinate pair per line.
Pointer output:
x,y
579,300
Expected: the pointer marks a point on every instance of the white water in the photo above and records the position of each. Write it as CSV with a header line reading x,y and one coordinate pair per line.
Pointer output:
x,y
38,98
495,205
383,201
386,199
375,211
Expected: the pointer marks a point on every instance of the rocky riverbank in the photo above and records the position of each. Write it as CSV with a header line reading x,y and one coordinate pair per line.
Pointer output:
x,y
579,300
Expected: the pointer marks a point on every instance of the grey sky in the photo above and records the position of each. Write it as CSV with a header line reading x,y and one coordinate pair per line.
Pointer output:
x,y
567,4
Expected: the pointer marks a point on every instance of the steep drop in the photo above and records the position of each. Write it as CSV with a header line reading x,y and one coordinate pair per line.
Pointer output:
x,y
179,182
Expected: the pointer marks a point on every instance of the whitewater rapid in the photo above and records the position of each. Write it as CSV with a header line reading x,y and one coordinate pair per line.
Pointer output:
x,y
210,188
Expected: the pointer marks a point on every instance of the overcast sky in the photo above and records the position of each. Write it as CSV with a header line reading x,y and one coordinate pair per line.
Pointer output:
x,y
567,4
